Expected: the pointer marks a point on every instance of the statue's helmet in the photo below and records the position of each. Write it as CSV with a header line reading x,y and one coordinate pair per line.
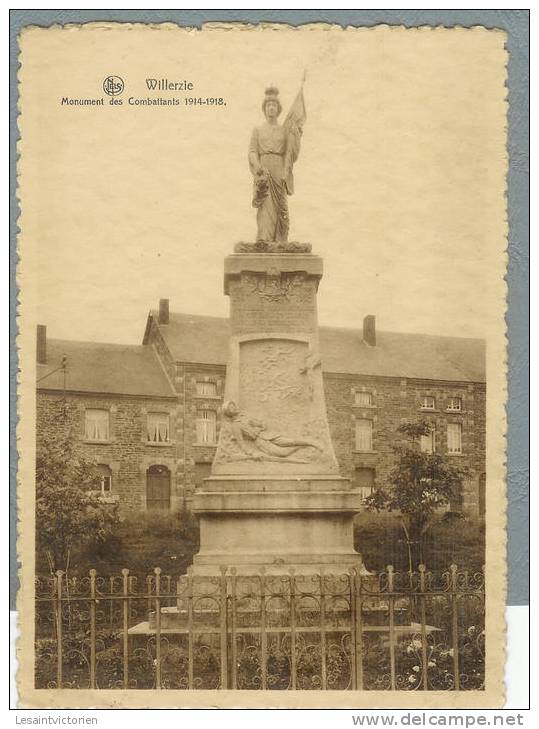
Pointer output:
x,y
272,94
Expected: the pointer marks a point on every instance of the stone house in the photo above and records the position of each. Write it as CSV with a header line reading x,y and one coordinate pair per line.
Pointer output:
x,y
149,414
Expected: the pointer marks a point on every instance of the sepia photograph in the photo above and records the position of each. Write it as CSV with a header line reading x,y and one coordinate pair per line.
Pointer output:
x,y
262,366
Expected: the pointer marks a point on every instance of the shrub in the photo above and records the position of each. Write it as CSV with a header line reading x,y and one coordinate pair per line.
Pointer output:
x,y
379,539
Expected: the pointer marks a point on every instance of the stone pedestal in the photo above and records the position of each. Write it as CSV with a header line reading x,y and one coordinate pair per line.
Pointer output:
x,y
275,497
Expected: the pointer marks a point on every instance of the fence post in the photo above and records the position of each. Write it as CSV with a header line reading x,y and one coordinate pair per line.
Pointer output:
x,y
224,629
455,624
111,601
263,636
293,657
352,598
92,628
234,647
149,591
190,627
125,625
323,667
391,605
59,635
422,598
353,637
358,591
157,572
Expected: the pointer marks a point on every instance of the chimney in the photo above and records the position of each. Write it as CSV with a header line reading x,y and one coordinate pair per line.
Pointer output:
x,y
41,344
163,311
369,330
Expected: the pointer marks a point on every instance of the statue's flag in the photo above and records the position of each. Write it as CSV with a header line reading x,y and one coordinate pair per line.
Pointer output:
x,y
293,126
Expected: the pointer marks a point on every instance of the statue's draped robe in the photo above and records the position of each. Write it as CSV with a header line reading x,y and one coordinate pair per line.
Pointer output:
x,y
276,148
268,146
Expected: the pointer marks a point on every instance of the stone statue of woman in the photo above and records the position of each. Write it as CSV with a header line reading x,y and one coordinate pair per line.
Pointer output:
x,y
272,152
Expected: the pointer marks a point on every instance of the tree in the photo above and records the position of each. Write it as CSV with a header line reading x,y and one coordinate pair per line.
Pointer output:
x,y
418,485
68,512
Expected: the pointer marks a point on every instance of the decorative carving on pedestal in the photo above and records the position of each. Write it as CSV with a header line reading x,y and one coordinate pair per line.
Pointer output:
x,y
275,388
272,300
311,365
277,287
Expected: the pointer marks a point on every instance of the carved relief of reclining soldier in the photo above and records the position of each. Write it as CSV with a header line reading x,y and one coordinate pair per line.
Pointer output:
x,y
257,443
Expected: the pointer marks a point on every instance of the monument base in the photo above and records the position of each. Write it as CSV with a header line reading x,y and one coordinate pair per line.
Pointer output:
x,y
275,500
276,523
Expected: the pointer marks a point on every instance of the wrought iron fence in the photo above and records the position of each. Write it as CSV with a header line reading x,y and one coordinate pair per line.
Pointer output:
x,y
390,631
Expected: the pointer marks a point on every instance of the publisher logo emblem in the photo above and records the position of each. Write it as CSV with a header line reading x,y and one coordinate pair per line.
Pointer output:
x,y
113,85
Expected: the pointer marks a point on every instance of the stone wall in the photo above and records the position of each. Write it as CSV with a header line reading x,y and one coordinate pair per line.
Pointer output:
x,y
197,456
394,401
127,452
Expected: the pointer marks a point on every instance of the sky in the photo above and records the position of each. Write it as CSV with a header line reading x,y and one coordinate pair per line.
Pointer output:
x,y
399,183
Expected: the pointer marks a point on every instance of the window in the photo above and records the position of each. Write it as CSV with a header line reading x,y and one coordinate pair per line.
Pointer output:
x,y
428,442
96,425
158,488
206,427
428,402
454,438
363,398
202,471
158,427
103,483
363,435
206,389
454,404
364,480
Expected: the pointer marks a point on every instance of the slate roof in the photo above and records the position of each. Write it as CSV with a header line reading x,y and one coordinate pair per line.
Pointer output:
x,y
105,368
204,339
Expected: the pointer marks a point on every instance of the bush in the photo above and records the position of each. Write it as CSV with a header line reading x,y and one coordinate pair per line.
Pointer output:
x,y
380,540
140,543
70,515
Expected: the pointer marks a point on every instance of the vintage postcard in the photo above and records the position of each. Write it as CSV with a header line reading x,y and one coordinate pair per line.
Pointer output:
x,y
262,366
